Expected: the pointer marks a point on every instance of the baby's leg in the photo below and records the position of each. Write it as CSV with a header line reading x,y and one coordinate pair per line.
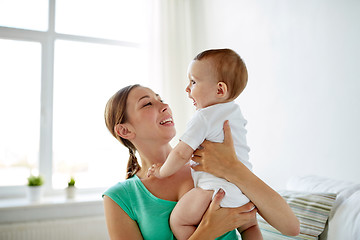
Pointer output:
x,y
251,232
188,212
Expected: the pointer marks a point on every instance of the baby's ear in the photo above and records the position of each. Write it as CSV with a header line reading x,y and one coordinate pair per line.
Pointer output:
x,y
221,90
124,130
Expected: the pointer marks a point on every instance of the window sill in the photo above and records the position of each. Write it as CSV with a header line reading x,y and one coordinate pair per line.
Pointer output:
x,y
52,207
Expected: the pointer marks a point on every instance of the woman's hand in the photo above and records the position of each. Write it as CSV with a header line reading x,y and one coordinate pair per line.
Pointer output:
x,y
220,160
217,158
218,221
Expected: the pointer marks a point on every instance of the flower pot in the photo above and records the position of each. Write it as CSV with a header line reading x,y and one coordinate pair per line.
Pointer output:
x,y
70,192
34,193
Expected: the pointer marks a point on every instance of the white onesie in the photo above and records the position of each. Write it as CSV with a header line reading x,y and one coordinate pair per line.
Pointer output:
x,y
207,123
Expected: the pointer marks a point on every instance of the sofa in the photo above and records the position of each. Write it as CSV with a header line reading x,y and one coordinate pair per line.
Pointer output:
x,y
328,209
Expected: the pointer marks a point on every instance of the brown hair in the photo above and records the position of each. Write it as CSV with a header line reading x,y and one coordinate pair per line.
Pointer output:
x,y
115,113
229,67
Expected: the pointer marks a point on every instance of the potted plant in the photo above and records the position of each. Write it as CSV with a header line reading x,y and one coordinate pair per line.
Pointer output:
x,y
71,189
35,188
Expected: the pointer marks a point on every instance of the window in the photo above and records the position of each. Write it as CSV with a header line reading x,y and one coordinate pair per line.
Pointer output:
x,y
82,86
61,61
24,14
20,110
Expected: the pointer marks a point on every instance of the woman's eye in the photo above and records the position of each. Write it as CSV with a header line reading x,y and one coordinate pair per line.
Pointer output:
x,y
193,82
147,104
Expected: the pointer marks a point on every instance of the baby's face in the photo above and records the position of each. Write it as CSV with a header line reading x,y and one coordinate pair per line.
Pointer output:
x,y
202,87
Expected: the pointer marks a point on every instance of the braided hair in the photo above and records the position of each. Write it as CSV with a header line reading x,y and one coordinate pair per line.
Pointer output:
x,y
115,113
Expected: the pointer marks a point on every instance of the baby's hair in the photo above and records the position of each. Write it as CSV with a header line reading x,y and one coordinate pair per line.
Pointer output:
x,y
229,67
115,113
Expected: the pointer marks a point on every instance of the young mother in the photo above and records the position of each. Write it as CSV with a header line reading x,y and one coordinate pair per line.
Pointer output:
x,y
139,208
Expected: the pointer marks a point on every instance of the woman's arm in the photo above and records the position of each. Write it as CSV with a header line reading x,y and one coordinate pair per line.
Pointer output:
x,y
218,221
220,159
120,225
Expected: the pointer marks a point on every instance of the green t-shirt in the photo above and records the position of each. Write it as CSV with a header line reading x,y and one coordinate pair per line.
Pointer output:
x,y
150,213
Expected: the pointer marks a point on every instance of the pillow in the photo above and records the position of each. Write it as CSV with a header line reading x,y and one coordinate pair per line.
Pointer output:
x,y
345,223
312,210
314,183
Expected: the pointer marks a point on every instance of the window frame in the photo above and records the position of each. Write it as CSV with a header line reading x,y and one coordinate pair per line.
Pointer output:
x,y
47,40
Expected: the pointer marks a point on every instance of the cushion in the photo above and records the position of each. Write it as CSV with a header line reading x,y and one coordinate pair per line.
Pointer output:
x,y
312,210
313,183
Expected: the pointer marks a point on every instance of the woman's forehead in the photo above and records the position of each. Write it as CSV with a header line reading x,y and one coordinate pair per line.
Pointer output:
x,y
139,93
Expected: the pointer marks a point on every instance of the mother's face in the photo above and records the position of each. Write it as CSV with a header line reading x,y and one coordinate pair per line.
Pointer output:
x,y
148,117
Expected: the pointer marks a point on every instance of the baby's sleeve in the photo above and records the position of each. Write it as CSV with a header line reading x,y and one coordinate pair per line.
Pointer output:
x,y
196,131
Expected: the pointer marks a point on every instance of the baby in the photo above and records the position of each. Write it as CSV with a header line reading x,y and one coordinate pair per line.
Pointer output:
x,y
217,77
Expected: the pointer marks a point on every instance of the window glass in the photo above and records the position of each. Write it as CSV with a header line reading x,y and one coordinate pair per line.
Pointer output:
x,y
113,19
24,14
86,76
20,79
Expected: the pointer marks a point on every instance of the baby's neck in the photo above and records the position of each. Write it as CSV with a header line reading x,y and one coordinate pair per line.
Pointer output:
x,y
215,103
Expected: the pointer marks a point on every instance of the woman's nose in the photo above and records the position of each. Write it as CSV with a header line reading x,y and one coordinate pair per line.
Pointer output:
x,y
165,107
187,89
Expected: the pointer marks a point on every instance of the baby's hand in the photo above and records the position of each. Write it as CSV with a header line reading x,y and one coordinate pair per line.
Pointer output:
x,y
154,170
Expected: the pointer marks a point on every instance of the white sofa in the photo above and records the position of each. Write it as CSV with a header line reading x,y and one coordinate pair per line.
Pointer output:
x,y
344,218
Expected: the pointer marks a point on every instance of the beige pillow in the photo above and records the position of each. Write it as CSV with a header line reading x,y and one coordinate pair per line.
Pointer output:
x,y
312,210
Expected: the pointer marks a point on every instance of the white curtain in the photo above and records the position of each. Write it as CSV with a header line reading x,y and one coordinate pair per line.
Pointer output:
x,y
170,51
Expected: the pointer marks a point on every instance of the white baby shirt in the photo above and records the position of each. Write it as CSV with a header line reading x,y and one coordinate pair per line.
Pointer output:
x,y
207,123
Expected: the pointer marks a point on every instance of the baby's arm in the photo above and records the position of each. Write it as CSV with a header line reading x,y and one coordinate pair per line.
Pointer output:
x,y
177,158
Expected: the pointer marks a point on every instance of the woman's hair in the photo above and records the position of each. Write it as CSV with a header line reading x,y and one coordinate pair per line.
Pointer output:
x,y
115,113
229,67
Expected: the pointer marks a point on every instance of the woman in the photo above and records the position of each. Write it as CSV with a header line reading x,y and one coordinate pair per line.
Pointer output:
x,y
139,208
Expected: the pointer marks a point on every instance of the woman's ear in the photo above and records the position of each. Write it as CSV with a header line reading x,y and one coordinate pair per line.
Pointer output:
x,y
221,90
124,131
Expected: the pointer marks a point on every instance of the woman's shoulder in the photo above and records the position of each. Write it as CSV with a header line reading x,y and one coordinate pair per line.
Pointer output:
x,y
122,194
123,187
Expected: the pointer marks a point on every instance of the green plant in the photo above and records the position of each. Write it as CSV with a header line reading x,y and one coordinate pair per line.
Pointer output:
x,y
35,180
71,182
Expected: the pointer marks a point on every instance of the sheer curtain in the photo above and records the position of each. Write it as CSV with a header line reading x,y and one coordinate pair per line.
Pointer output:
x,y
170,51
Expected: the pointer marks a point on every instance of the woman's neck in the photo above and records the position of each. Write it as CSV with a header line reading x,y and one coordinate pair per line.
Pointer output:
x,y
151,155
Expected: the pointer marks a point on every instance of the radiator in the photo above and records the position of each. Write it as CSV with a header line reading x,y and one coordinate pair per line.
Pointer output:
x,y
89,228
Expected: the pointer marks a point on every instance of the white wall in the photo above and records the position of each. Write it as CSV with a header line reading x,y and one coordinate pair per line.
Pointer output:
x,y
303,96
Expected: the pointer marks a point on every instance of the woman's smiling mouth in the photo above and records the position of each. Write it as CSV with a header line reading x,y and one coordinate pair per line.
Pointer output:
x,y
167,121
